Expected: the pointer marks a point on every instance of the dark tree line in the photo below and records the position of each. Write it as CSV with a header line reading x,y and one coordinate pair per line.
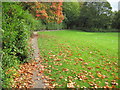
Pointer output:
x,y
91,16
116,20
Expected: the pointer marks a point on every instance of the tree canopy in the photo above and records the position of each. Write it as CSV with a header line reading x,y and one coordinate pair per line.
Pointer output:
x,y
71,12
116,20
95,15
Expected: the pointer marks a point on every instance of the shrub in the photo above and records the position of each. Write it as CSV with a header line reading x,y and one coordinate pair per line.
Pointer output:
x,y
17,25
54,26
98,30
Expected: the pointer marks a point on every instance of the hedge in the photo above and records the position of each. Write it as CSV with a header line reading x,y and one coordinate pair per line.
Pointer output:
x,y
17,25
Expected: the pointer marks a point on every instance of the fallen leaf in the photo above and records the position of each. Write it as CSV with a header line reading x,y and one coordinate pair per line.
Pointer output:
x,y
65,69
61,77
70,85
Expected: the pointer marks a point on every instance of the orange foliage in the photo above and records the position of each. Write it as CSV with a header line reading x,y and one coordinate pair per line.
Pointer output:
x,y
48,11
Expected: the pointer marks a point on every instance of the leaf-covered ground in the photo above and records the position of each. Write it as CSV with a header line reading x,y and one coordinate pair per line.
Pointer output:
x,y
23,77
79,59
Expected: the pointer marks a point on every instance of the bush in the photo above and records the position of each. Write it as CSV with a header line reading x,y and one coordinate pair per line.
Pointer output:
x,y
98,30
54,26
40,26
17,25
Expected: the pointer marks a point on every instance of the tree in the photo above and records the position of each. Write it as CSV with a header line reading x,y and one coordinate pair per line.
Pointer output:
x,y
95,15
71,11
47,11
116,20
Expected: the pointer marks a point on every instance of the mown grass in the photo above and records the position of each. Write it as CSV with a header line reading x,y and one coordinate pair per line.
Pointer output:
x,y
80,59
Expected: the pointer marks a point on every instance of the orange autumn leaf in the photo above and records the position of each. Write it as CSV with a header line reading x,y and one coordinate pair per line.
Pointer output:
x,y
99,75
65,69
61,77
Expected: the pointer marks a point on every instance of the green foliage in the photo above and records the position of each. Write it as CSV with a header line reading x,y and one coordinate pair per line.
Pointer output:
x,y
98,29
71,12
54,26
17,26
90,16
51,26
116,20
95,15
39,25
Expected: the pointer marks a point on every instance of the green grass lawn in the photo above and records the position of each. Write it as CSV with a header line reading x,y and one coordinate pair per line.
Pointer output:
x,y
80,59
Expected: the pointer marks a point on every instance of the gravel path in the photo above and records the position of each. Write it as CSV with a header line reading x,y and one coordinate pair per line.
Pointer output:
x,y
37,79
